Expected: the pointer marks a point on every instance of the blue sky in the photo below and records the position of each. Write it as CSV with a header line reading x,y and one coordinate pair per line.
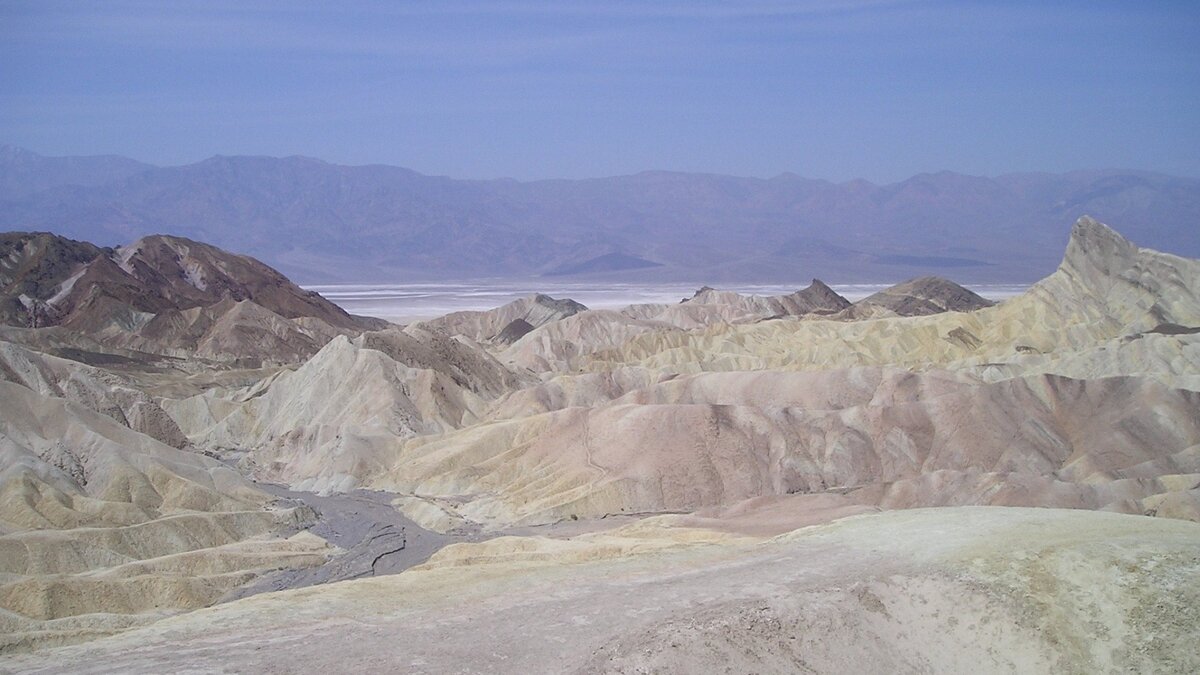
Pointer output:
x,y
835,89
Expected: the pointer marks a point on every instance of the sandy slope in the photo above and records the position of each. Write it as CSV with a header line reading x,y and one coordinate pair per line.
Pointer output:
x,y
937,590
901,438
337,418
103,526
93,388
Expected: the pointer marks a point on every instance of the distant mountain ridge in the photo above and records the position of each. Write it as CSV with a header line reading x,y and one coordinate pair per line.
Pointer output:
x,y
24,173
317,221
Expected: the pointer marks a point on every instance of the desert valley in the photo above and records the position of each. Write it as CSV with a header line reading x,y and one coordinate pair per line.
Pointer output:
x,y
837,337
204,467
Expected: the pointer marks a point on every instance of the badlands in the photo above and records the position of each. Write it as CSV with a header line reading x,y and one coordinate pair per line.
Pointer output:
x,y
205,468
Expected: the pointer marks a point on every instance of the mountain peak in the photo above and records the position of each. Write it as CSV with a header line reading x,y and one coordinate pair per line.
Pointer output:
x,y
1094,245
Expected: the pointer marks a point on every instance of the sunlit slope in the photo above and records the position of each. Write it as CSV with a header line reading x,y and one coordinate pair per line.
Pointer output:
x,y
938,590
1080,393
1117,444
339,417
101,523
1105,288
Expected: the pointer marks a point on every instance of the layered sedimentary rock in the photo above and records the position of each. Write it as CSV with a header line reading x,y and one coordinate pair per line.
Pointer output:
x,y
556,346
709,306
338,418
882,437
162,295
1073,395
104,527
728,482
93,388
33,268
1106,288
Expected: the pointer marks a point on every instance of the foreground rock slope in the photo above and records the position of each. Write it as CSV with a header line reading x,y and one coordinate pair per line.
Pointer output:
x,y
930,590
104,527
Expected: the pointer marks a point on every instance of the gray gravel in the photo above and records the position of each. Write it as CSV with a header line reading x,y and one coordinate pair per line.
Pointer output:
x,y
377,538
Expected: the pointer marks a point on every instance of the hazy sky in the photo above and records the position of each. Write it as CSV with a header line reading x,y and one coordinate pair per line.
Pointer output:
x,y
829,89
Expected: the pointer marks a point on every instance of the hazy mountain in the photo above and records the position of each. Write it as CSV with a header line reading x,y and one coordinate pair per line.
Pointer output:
x,y
24,173
316,220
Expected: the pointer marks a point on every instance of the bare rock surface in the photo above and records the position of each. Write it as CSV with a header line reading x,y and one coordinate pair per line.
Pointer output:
x,y
731,483
895,438
163,295
91,387
325,425
1106,288
917,297
936,590
102,527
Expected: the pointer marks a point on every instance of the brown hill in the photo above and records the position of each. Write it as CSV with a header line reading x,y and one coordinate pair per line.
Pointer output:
x,y
162,272
33,265
917,297
164,295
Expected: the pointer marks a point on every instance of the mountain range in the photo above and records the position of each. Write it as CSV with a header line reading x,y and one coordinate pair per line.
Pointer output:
x,y
322,222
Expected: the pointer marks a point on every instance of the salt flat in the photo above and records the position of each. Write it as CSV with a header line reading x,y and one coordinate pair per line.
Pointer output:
x,y
414,301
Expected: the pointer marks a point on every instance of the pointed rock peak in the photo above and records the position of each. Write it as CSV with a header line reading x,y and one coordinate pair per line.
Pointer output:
x,y
1094,245
703,290
819,292
820,288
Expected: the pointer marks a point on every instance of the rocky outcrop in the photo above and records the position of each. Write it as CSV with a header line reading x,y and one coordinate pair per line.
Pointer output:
x,y
744,417
888,438
515,330
558,346
165,295
34,268
817,298
917,297
858,419
1105,289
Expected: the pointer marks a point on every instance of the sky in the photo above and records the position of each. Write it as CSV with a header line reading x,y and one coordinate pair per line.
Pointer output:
x,y
834,89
